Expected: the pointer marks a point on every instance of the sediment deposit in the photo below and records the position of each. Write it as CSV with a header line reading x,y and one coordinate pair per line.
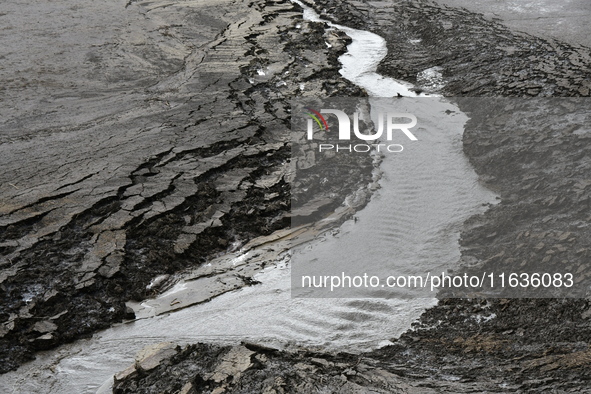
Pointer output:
x,y
105,205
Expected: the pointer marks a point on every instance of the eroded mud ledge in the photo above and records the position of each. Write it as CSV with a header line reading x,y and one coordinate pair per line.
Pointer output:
x,y
535,345
494,345
93,211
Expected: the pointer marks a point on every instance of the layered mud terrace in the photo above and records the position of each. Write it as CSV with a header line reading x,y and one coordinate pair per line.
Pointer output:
x,y
461,345
122,222
93,212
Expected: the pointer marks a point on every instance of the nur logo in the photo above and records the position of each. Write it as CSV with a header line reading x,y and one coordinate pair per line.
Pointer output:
x,y
390,124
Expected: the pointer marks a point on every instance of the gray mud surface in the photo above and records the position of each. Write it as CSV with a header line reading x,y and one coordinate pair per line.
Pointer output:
x,y
191,165
461,345
107,205
566,20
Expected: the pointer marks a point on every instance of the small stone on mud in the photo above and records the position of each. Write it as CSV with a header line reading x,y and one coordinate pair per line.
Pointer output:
x,y
44,326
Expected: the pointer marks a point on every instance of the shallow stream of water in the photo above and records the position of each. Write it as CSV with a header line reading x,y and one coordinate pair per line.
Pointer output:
x,y
425,196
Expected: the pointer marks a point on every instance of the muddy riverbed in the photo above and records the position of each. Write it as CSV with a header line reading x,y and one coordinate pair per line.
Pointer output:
x,y
469,345
432,184
93,211
113,198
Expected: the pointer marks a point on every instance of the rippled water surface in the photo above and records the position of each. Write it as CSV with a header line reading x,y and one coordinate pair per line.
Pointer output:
x,y
425,195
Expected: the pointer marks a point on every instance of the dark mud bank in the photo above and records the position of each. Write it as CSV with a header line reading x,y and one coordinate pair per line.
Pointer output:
x,y
461,345
108,207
